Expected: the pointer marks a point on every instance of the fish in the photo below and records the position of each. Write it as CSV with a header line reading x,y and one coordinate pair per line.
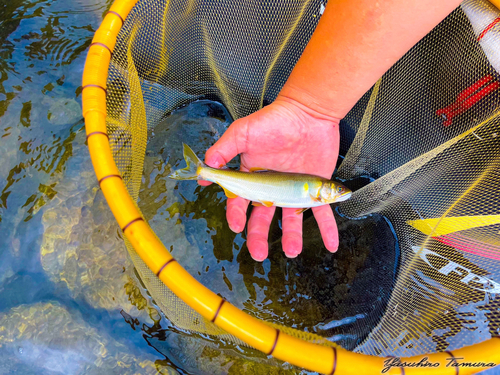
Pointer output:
x,y
265,187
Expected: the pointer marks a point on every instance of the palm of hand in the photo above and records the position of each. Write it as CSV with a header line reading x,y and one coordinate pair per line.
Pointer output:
x,y
280,138
286,138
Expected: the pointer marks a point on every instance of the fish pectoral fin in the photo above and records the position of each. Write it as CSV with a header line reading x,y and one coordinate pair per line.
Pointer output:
x,y
301,210
257,204
314,198
228,193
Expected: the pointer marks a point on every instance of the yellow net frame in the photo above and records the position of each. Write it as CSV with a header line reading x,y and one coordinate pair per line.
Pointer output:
x,y
255,333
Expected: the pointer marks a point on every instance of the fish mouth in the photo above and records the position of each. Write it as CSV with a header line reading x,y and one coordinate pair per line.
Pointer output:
x,y
344,197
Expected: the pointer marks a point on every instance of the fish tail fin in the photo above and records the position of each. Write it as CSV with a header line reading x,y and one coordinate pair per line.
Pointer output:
x,y
193,164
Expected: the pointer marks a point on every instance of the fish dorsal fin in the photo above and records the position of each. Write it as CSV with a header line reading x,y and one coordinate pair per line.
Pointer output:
x,y
228,193
259,170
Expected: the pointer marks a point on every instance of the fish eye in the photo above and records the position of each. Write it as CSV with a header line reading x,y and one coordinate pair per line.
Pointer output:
x,y
340,189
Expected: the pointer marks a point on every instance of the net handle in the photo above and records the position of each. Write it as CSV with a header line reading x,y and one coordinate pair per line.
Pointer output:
x,y
269,340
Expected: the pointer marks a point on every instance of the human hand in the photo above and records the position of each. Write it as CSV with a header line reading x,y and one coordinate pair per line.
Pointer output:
x,y
285,136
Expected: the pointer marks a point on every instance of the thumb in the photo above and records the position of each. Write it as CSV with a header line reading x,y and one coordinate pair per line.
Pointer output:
x,y
232,143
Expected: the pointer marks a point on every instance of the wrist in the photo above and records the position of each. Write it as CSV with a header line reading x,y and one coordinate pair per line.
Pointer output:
x,y
322,107
308,105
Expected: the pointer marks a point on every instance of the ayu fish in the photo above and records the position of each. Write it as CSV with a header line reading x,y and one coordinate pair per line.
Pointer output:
x,y
263,187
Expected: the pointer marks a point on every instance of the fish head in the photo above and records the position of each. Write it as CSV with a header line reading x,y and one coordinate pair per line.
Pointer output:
x,y
332,192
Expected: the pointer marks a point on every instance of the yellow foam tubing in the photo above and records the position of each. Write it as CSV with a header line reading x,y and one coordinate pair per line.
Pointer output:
x,y
441,226
322,359
496,3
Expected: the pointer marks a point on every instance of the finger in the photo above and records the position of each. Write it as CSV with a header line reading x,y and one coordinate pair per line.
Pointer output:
x,y
327,226
258,232
236,213
292,232
232,143
204,183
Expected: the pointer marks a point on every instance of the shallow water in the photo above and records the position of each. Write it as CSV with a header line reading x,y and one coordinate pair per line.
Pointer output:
x,y
68,295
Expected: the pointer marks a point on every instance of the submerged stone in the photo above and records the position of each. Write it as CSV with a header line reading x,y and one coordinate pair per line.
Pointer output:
x,y
62,111
46,338
82,246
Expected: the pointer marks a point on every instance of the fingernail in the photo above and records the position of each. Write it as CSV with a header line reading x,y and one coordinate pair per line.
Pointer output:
x,y
236,227
258,258
215,161
293,253
292,247
235,220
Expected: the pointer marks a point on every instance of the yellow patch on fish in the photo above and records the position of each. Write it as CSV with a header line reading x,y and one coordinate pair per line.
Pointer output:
x,y
306,187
